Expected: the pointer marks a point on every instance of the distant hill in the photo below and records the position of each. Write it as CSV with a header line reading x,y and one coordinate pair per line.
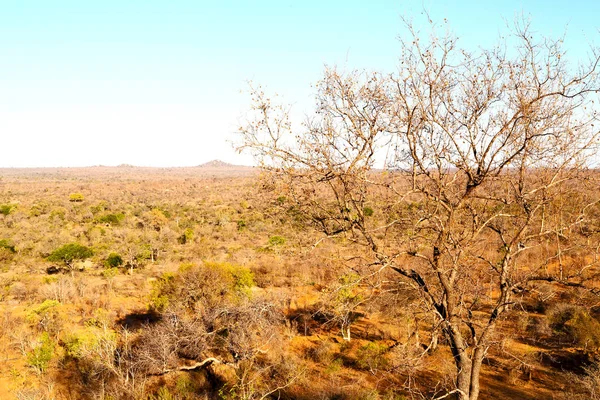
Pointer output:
x,y
218,164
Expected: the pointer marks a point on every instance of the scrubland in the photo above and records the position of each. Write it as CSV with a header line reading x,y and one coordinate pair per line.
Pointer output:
x,y
208,283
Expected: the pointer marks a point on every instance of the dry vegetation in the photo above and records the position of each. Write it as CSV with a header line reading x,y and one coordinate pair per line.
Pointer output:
x,y
466,268
200,284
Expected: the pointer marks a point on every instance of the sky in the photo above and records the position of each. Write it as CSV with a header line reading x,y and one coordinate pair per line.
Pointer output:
x,y
165,83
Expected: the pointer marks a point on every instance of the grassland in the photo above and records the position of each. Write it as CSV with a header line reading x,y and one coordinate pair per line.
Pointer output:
x,y
207,283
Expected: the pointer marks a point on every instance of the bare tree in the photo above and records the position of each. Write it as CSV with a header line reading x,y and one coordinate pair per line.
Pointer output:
x,y
484,155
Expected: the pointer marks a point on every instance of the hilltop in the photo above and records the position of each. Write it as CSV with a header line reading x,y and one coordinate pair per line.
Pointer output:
x,y
219,164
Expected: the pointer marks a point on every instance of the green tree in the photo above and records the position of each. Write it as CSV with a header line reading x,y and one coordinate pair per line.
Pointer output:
x,y
70,253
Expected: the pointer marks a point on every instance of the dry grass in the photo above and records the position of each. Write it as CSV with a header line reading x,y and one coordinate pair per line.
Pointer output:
x,y
230,220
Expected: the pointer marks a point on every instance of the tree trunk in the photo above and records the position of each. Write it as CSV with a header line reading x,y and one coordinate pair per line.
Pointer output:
x,y
467,376
346,332
475,371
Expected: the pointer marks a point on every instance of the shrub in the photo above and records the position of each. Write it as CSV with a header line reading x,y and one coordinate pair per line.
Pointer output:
x,y
44,307
6,209
372,356
274,243
6,244
38,209
323,353
47,317
145,252
101,206
162,394
207,284
368,212
186,236
162,288
185,386
77,342
76,197
41,355
112,219
113,260
335,366
576,324
110,273
69,253
59,212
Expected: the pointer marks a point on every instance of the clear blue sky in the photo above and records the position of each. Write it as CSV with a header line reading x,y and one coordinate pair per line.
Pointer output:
x,y
158,82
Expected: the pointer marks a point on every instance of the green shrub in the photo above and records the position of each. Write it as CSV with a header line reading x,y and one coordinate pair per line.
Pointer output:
x,y
243,278
275,241
335,366
6,209
186,236
235,279
113,260
112,219
163,393
98,208
46,316
185,386
576,323
145,252
368,212
76,197
59,212
110,273
44,307
69,253
6,244
38,209
372,356
75,343
41,355
162,288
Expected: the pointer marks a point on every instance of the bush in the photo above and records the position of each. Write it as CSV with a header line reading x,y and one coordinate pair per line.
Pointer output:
x,y
323,353
276,241
69,253
576,324
368,212
6,244
281,200
6,209
372,356
44,307
75,343
207,284
186,236
112,219
41,355
76,197
113,260
162,288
